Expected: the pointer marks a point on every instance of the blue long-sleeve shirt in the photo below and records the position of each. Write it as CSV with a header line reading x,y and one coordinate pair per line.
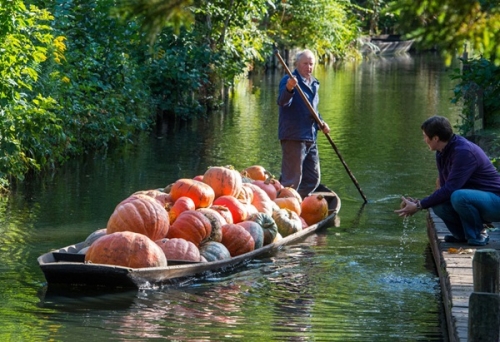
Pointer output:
x,y
462,165
295,120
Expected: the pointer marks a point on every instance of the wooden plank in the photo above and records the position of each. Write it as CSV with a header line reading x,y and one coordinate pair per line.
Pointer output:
x,y
455,274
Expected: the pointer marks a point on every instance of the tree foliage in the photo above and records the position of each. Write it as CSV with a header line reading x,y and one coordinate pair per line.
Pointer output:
x,y
452,25
30,133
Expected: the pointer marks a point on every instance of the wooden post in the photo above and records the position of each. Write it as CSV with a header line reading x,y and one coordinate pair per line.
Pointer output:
x,y
484,317
485,271
484,302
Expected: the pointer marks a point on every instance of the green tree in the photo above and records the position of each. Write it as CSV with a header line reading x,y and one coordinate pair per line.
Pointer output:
x,y
452,25
30,132
322,25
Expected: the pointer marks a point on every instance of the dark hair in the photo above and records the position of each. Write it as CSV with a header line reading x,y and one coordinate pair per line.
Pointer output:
x,y
438,125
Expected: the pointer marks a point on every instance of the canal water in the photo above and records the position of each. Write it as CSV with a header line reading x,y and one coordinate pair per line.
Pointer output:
x,y
370,278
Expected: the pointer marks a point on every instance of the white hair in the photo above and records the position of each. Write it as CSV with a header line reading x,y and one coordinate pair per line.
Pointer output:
x,y
303,53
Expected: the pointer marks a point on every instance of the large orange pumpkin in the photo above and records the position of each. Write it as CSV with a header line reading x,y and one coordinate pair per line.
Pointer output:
x,y
179,249
314,209
237,240
126,249
183,203
140,214
191,225
223,180
236,207
201,194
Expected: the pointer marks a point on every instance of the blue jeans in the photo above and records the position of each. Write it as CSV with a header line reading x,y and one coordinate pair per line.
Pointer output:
x,y
300,166
466,212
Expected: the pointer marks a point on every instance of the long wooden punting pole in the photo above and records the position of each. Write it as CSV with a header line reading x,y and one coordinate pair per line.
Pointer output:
x,y
320,124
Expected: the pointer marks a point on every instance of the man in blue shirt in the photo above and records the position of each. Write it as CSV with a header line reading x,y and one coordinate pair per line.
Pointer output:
x,y
469,191
298,129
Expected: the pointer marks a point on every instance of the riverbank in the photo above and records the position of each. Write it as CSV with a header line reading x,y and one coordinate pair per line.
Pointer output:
x,y
454,265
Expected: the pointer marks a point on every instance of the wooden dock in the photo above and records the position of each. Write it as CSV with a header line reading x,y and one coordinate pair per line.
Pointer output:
x,y
454,266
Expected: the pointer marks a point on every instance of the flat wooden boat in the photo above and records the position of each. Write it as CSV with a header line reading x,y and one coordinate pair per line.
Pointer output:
x,y
67,268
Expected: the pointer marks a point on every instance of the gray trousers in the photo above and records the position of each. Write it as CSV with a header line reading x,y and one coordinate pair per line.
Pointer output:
x,y
300,166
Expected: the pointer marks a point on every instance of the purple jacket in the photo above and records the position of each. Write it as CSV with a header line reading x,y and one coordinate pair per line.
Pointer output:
x,y
295,120
462,165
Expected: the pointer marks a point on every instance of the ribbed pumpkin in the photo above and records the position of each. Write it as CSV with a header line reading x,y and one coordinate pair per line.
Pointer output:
x,y
216,220
256,231
214,251
314,209
158,195
289,203
267,187
183,203
223,180
261,199
179,249
289,192
224,212
288,222
236,207
268,225
191,225
126,249
255,172
237,240
140,214
245,195
201,194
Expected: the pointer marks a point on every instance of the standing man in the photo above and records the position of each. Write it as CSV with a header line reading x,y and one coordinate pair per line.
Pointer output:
x,y
298,129
469,192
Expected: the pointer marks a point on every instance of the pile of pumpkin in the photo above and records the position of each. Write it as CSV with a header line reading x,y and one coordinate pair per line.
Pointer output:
x,y
218,215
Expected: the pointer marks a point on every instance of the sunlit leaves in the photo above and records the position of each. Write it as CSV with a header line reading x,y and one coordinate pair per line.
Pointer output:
x,y
453,24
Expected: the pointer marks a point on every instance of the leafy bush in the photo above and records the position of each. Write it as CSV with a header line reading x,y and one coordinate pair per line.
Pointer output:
x,y
479,76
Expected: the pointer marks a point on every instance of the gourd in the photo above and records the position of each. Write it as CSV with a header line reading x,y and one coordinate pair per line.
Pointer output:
x,y
191,225
236,207
126,249
289,192
255,172
267,187
256,231
140,214
288,222
179,249
214,251
314,209
237,240
289,203
159,195
201,194
268,225
224,212
216,221
183,203
223,180
261,199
